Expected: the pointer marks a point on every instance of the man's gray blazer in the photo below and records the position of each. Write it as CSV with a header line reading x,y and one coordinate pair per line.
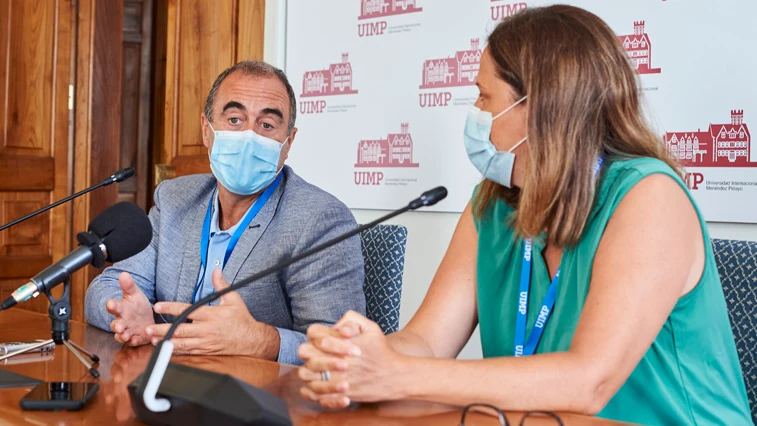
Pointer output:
x,y
298,216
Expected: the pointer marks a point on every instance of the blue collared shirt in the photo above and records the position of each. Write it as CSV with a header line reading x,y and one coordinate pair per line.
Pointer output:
x,y
219,241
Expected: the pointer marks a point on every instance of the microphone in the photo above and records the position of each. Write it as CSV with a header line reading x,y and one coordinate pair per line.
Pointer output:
x,y
429,198
118,176
119,232
251,406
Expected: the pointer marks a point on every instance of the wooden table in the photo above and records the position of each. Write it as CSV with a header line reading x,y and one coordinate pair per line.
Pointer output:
x,y
119,366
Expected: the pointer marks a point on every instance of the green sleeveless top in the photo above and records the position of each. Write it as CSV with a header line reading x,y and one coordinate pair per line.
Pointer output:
x,y
689,376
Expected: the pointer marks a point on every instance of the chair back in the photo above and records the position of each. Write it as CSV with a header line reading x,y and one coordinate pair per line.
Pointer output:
x,y
384,253
737,265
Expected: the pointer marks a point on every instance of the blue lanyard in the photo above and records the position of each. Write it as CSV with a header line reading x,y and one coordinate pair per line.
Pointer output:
x,y
205,242
525,347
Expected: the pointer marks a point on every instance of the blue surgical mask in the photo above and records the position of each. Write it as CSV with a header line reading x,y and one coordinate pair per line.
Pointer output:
x,y
243,161
494,165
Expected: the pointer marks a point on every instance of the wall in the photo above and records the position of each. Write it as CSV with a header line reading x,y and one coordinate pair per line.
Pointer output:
x,y
733,231
429,233
274,49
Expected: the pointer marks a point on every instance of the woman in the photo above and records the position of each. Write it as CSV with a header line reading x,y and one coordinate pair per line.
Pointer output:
x,y
635,328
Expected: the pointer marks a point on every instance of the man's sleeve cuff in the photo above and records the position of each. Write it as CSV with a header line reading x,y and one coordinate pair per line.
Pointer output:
x,y
289,342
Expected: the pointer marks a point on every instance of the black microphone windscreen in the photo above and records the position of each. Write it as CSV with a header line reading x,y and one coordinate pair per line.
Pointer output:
x,y
125,229
433,196
124,174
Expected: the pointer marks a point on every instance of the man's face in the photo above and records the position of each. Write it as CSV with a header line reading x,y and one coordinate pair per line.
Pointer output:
x,y
260,104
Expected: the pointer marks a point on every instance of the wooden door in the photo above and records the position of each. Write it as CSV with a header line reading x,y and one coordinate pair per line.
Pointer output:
x,y
197,42
97,122
136,91
35,77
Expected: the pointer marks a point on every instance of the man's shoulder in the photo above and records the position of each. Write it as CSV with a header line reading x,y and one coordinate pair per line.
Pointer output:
x,y
184,190
302,196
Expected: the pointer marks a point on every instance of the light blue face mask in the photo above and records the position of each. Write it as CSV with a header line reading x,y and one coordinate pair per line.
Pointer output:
x,y
494,165
243,161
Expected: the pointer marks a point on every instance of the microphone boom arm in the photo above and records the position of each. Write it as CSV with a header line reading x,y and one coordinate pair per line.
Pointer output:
x,y
119,176
53,205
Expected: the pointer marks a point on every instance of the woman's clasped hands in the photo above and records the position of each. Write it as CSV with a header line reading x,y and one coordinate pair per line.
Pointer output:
x,y
351,361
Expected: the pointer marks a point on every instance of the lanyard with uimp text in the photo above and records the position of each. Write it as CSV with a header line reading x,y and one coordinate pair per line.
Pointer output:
x,y
525,347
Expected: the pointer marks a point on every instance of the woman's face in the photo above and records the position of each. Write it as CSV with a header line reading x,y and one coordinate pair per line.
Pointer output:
x,y
495,96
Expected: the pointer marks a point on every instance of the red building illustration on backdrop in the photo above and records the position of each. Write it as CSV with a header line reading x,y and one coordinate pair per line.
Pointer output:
x,y
394,151
722,145
639,49
336,80
459,70
378,8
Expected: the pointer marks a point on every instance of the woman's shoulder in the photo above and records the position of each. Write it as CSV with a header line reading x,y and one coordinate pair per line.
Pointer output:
x,y
653,179
624,173
640,166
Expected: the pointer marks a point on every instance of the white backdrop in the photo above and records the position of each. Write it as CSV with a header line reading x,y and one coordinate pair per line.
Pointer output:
x,y
383,88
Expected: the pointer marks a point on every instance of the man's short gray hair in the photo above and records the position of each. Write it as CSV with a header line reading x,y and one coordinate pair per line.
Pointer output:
x,y
254,69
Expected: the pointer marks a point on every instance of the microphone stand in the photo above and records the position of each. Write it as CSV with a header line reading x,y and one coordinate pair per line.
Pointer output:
x,y
124,224
182,381
59,312
119,176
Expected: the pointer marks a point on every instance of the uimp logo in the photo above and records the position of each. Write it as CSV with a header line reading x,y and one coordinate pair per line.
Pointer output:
x,y
522,301
639,49
721,145
369,178
371,29
456,71
504,9
333,81
542,318
312,107
394,151
693,180
380,8
371,9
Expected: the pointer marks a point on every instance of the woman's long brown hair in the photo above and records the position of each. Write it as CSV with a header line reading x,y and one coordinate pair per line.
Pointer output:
x,y
583,102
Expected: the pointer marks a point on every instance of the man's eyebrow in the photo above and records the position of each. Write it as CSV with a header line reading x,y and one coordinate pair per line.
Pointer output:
x,y
272,111
234,104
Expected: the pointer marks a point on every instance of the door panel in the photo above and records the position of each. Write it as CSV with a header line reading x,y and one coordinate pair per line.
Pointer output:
x,y
136,100
35,74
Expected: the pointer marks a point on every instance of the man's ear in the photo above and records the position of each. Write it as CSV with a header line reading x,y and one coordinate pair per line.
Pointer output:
x,y
205,126
291,137
285,150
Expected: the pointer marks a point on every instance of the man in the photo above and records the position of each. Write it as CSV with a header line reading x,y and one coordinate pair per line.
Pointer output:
x,y
251,214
